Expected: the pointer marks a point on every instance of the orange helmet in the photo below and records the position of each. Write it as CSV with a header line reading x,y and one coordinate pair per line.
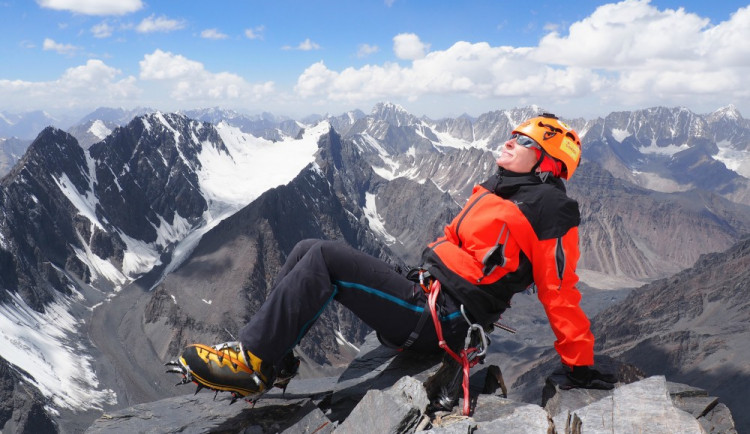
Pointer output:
x,y
558,140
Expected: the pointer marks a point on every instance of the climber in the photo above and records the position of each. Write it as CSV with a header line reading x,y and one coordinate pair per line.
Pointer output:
x,y
518,228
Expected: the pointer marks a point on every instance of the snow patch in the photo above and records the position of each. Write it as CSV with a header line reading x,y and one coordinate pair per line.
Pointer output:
x,y
449,141
138,257
230,181
620,135
254,165
45,346
668,150
653,181
100,267
376,223
343,342
99,130
86,205
734,159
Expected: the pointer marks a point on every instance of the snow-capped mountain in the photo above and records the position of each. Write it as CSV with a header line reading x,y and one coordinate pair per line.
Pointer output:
x,y
26,125
92,131
116,116
675,150
264,125
11,150
169,230
79,224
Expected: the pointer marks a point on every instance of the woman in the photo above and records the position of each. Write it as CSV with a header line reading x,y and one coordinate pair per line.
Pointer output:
x,y
518,228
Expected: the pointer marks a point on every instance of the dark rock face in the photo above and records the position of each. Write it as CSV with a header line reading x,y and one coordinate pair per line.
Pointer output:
x,y
629,230
148,169
692,327
89,132
675,144
22,407
39,217
382,170
235,264
140,176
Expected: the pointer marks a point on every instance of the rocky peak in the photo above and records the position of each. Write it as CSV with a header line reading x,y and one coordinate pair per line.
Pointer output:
x,y
54,153
393,114
384,390
692,327
728,112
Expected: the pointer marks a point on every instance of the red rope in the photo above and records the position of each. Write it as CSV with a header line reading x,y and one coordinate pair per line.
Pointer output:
x,y
463,358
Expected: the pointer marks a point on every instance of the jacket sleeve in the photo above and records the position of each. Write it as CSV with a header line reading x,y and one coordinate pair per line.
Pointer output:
x,y
554,263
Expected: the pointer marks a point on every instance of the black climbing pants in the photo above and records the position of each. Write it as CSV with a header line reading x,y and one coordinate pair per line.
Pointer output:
x,y
317,272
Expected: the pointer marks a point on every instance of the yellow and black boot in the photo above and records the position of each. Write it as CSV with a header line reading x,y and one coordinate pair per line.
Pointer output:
x,y
225,367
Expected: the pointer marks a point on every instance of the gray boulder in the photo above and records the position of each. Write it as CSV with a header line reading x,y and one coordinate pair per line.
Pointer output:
x,y
383,391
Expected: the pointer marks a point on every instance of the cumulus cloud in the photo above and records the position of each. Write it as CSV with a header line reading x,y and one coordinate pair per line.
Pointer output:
x,y
93,7
159,24
91,84
51,45
254,33
306,45
624,53
407,46
213,34
365,50
188,80
102,30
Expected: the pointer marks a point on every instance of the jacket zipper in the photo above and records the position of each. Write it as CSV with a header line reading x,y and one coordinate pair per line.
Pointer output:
x,y
463,215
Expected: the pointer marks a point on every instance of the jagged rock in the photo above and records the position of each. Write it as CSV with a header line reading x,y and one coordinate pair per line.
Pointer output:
x,y
21,406
201,413
377,368
713,416
642,407
496,414
383,390
313,422
395,410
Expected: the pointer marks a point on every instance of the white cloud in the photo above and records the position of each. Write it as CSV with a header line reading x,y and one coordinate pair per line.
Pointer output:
x,y
365,50
255,33
408,46
188,80
625,35
102,30
306,45
159,24
92,84
161,65
623,56
93,7
474,69
213,34
51,45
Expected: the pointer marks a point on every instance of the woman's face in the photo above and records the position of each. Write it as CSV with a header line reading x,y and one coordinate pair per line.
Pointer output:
x,y
516,158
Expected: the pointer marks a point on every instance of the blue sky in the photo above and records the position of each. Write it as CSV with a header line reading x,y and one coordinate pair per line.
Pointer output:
x,y
435,58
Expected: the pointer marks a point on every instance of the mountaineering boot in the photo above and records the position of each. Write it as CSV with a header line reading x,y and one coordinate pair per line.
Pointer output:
x,y
444,386
286,370
226,367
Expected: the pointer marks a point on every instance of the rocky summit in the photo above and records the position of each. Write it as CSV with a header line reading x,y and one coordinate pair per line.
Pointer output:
x,y
383,390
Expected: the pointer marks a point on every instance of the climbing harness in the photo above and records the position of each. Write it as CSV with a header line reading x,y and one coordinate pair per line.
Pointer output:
x,y
469,356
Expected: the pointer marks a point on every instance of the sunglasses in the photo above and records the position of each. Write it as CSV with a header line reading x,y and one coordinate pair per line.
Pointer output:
x,y
525,141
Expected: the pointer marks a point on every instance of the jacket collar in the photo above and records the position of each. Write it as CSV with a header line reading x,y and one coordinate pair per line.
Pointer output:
x,y
506,183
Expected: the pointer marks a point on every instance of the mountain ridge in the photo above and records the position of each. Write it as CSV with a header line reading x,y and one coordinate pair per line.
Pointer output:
x,y
137,209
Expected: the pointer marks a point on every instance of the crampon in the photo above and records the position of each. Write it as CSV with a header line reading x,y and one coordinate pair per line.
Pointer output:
x,y
223,368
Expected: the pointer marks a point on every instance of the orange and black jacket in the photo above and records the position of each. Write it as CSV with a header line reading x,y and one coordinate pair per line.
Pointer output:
x,y
516,230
